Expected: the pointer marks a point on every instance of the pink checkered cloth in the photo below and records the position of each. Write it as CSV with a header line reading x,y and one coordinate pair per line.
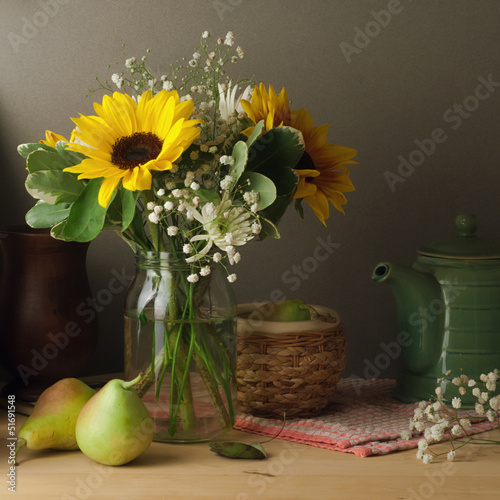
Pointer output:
x,y
362,418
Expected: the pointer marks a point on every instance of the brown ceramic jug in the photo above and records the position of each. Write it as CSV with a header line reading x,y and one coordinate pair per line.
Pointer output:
x,y
43,335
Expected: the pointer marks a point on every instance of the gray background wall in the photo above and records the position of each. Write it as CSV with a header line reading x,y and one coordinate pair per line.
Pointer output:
x,y
382,93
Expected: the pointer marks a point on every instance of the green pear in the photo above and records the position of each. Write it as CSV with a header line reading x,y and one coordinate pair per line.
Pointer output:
x,y
114,427
52,423
290,310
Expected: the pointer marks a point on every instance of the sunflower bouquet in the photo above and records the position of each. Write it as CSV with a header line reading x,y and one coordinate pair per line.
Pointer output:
x,y
186,165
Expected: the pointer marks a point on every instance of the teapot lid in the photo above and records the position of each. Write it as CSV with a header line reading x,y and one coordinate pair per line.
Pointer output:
x,y
464,246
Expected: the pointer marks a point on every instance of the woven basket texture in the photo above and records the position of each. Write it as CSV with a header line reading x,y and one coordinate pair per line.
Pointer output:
x,y
292,373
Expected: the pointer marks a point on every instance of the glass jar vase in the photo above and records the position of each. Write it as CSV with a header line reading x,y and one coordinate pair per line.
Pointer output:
x,y
180,334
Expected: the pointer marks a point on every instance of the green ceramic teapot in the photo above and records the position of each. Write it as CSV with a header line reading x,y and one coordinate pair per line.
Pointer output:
x,y
448,303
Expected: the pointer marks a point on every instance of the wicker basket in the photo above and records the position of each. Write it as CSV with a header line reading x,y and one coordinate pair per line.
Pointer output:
x,y
292,373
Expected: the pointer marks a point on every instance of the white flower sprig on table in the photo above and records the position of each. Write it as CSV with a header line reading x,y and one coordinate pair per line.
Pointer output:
x,y
438,422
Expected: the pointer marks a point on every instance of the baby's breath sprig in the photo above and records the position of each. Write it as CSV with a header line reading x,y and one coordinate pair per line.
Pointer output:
x,y
440,422
201,79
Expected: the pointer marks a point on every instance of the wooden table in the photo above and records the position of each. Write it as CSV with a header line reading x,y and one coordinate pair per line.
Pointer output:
x,y
291,471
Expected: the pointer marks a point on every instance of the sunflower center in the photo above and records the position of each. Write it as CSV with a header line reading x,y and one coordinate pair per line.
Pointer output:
x,y
136,149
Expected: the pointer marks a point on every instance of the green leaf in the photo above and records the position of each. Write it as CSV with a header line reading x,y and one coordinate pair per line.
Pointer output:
x,y
278,148
207,195
260,183
240,156
25,149
46,215
45,160
86,217
57,231
257,131
53,186
121,211
129,205
268,229
71,157
114,213
231,449
286,180
287,184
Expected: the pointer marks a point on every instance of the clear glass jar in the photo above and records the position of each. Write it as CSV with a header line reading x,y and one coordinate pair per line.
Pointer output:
x,y
181,336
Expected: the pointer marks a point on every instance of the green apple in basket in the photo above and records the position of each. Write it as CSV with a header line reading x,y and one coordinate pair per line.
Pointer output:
x,y
294,310
289,310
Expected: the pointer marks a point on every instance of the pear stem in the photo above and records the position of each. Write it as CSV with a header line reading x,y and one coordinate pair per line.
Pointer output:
x,y
145,379
131,383
20,443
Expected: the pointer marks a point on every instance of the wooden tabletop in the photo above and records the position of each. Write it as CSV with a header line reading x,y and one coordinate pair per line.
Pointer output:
x,y
291,471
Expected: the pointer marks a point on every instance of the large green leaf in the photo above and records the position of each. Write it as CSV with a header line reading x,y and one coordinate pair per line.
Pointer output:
x,y
45,160
286,180
71,157
240,156
260,183
45,215
86,217
277,148
25,149
287,185
53,186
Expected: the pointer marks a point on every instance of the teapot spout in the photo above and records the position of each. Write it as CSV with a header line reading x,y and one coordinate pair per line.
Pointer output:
x,y
420,308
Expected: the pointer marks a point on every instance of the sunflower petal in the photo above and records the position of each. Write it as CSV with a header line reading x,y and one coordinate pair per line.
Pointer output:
x,y
108,187
305,189
119,113
319,204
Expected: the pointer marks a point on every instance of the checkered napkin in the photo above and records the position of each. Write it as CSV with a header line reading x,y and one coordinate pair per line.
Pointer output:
x,y
362,418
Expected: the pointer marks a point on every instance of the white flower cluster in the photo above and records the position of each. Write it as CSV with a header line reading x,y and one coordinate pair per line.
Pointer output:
x,y
204,224
436,421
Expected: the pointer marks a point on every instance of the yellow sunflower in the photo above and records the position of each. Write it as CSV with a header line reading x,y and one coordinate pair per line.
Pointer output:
x,y
328,160
51,139
127,140
323,176
272,108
